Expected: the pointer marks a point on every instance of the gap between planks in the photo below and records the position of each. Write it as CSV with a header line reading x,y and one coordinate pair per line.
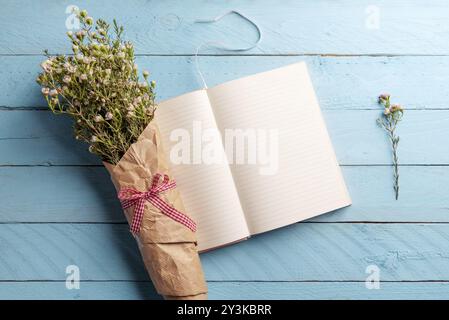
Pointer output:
x,y
45,109
311,54
233,281
308,222
48,165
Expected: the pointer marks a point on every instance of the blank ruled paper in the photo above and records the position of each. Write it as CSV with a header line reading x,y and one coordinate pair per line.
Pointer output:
x,y
289,171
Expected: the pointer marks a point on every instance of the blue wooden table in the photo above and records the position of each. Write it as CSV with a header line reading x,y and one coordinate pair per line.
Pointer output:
x,y
58,207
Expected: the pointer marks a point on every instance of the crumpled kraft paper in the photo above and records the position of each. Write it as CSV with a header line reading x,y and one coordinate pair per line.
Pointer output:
x,y
168,248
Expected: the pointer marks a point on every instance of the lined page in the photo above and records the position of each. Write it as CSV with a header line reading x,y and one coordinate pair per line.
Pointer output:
x,y
207,190
307,180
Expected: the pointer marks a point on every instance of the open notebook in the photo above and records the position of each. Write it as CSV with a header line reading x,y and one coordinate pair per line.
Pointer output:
x,y
287,173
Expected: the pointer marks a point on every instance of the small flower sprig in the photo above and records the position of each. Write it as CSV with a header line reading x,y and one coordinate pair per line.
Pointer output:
x,y
98,86
389,120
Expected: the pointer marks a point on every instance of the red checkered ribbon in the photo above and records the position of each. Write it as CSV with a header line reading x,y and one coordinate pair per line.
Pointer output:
x,y
131,197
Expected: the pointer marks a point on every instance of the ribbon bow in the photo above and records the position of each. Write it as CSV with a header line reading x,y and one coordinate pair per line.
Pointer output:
x,y
131,197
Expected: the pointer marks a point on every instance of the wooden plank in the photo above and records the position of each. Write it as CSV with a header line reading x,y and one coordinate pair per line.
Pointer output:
x,y
326,291
40,138
58,194
301,252
125,290
361,26
84,194
340,82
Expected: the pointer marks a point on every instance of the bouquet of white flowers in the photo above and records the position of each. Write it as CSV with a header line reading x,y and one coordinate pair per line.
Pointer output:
x,y
99,88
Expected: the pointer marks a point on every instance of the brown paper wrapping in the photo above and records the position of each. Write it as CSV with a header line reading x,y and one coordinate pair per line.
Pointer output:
x,y
168,248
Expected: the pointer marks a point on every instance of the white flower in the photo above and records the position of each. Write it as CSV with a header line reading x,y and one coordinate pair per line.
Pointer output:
x,y
130,114
131,107
67,79
142,84
45,91
83,76
108,116
46,65
121,54
137,100
93,139
81,33
387,111
53,92
108,71
149,110
86,60
98,118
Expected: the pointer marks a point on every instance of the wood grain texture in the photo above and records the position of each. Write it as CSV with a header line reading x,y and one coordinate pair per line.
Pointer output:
x,y
58,207
340,82
324,26
301,252
86,194
41,138
224,290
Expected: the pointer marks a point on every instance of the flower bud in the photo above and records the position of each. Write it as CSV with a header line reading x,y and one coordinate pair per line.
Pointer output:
x,y
384,97
396,107
108,116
